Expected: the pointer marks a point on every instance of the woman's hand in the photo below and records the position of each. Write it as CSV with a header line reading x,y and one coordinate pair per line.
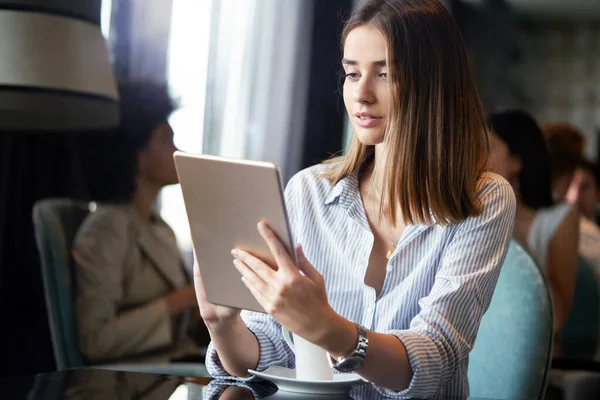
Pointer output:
x,y
212,314
295,297
181,300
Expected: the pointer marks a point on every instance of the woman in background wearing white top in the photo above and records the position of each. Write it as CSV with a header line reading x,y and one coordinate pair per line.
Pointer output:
x,y
550,232
402,238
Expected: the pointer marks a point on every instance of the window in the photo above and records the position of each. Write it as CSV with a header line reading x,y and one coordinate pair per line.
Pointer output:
x,y
105,17
239,72
187,73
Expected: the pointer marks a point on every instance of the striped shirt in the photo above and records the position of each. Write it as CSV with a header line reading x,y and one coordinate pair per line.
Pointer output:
x,y
438,284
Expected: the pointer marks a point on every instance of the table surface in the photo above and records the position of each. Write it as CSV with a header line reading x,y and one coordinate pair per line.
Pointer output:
x,y
88,383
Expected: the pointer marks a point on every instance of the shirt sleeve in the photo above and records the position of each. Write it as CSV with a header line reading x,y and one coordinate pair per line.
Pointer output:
x,y
273,350
444,331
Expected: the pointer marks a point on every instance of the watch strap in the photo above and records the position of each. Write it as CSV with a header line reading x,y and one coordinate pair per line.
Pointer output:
x,y
360,352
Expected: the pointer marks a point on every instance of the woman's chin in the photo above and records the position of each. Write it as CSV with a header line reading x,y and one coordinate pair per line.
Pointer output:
x,y
369,137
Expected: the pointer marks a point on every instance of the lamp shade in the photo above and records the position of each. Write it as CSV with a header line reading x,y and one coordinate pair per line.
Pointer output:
x,y
55,72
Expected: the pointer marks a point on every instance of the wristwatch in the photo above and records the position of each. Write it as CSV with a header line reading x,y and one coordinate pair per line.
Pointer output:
x,y
355,360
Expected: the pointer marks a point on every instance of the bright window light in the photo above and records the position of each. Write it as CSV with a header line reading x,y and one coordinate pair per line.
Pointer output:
x,y
105,13
188,63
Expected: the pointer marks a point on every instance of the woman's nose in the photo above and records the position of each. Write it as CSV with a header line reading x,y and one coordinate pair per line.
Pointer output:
x,y
363,92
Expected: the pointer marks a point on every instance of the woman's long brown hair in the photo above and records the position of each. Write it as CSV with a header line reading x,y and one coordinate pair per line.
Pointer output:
x,y
436,136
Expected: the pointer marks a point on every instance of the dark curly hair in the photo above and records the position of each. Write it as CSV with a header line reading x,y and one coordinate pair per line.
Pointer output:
x,y
524,139
565,147
109,159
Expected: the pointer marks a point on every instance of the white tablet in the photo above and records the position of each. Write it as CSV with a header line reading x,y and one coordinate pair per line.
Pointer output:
x,y
224,200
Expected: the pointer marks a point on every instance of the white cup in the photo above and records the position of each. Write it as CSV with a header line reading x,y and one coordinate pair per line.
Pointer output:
x,y
312,362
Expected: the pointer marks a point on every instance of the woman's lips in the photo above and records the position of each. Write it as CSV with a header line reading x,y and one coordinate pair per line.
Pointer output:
x,y
366,120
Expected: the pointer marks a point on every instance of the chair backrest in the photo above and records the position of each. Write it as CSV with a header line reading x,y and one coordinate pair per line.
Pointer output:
x,y
579,336
512,352
56,222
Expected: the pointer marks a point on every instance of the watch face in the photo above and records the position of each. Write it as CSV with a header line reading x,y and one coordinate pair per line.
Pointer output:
x,y
351,364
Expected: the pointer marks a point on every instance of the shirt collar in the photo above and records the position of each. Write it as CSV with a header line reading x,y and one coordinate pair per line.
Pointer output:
x,y
345,189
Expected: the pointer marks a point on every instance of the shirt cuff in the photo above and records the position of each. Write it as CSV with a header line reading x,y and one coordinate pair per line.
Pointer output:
x,y
425,361
267,351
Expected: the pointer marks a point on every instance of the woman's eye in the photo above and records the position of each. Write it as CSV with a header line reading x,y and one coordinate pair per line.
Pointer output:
x,y
383,75
352,75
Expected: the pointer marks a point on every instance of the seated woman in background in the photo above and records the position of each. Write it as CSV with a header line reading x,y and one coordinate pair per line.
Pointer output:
x,y
583,193
550,232
583,190
565,149
134,299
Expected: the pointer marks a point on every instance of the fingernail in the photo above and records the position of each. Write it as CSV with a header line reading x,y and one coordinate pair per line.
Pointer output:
x,y
236,263
235,253
262,227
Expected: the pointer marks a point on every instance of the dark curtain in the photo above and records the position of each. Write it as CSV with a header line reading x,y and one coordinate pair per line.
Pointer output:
x,y
324,131
34,166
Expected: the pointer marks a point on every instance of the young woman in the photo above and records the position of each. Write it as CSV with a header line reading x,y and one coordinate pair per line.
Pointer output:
x,y
549,231
402,238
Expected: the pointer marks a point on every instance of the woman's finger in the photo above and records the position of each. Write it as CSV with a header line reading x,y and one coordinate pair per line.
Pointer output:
x,y
280,254
258,294
260,268
250,276
305,266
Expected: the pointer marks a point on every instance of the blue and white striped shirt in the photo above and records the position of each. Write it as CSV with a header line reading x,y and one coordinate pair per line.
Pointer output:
x,y
439,281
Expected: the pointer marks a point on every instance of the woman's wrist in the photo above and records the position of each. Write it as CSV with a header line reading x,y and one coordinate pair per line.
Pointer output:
x,y
223,325
339,336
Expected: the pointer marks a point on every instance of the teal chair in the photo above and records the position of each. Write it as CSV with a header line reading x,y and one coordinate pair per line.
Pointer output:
x,y
56,222
579,336
512,353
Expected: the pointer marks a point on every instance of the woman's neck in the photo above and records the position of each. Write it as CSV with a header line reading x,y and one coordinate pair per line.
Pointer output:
x,y
372,182
145,197
375,172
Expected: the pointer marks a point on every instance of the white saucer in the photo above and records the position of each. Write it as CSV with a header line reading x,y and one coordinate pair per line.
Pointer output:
x,y
285,379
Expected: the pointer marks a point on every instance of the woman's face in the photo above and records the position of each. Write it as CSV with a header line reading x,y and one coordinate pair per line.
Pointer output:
x,y
366,92
583,192
155,161
501,161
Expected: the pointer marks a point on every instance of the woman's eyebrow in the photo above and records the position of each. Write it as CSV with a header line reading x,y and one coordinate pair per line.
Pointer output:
x,y
379,63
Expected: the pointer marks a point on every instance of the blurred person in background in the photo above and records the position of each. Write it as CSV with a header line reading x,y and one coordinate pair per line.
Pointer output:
x,y
134,300
548,231
566,144
583,192
565,149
